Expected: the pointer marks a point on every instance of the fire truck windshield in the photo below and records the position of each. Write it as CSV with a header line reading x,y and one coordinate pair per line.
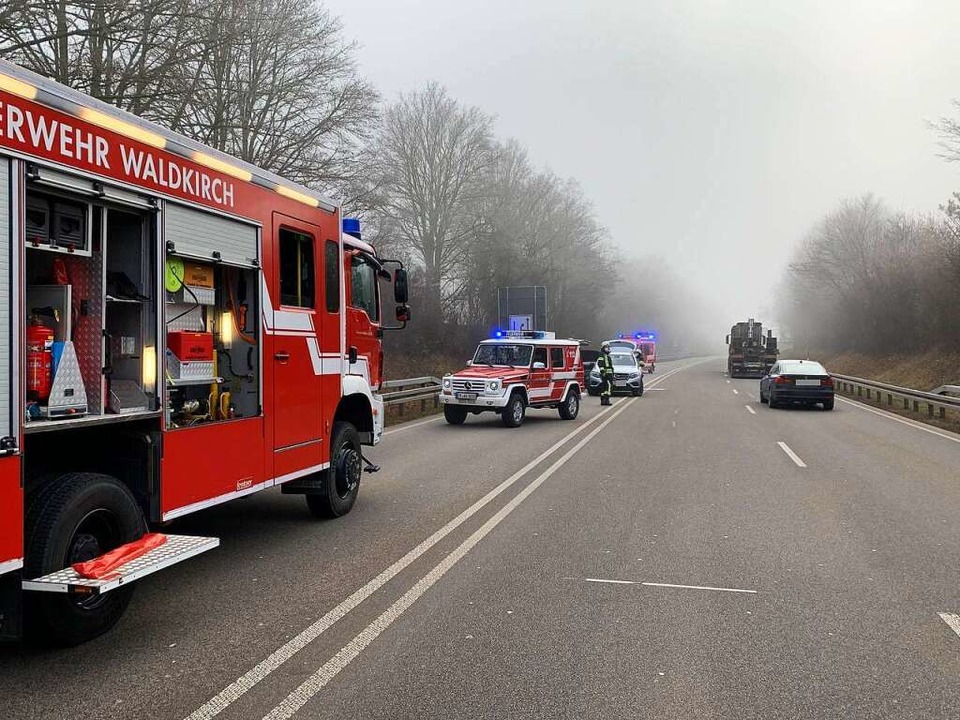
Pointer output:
x,y
503,354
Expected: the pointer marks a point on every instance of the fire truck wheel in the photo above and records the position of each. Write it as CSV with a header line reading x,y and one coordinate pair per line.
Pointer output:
x,y
570,407
342,483
454,415
75,518
514,411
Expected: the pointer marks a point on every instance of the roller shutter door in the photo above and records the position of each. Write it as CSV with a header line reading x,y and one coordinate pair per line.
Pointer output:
x,y
201,235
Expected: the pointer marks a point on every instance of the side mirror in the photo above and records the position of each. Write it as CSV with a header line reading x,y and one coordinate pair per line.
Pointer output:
x,y
469,363
728,339
403,313
400,293
539,366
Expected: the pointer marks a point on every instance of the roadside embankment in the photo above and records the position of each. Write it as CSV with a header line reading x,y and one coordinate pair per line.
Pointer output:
x,y
924,372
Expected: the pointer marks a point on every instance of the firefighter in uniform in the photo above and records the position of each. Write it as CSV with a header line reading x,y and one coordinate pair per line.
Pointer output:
x,y
605,365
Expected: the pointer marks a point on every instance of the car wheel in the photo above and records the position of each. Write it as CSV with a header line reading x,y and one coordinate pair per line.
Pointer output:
x,y
454,414
763,398
771,400
828,404
514,412
570,407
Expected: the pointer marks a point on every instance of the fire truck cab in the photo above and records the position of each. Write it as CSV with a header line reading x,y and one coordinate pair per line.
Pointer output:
x,y
177,329
514,371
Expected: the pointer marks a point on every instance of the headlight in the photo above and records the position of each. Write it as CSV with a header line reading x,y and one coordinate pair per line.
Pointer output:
x,y
494,385
634,374
595,371
446,383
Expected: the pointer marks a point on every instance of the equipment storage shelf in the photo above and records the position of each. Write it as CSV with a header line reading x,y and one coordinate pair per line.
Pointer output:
x,y
212,355
91,272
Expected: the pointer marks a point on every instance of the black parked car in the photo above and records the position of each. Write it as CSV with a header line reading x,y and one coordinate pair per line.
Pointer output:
x,y
797,381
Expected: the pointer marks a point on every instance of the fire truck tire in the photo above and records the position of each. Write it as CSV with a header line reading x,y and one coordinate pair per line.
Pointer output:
x,y
77,517
454,414
342,482
570,407
515,410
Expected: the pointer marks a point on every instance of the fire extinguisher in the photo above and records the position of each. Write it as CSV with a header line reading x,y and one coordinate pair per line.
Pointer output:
x,y
40,339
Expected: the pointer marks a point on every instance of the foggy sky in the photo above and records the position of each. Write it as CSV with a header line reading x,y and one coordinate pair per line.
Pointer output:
x,y
711,133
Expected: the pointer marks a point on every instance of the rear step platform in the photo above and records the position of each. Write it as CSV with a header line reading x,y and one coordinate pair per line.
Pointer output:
x,y
176,549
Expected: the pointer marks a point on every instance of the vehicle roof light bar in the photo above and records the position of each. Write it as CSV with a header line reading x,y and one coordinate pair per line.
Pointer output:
x,y
17,87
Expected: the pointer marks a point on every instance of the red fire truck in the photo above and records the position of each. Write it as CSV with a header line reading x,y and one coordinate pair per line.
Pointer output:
x,y
644,342
177,329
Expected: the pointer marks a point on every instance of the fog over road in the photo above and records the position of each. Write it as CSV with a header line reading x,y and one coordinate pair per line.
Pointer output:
x,y
689,553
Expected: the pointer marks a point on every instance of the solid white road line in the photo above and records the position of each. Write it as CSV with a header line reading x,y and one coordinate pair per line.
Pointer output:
x,y
952,620
262,670
612,582
792,455
252,677
750,410
411,426
699,587
902,421
736,392
316,682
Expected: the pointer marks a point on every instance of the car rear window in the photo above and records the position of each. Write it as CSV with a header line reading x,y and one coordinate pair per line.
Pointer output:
x,y
802,368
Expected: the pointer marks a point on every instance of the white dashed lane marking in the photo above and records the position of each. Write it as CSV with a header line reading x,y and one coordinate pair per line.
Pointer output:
x,y
666,585
952,620
792,455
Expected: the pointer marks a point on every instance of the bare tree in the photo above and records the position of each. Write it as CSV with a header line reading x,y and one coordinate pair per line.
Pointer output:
x,y
273,82
432,155
282,92
126,53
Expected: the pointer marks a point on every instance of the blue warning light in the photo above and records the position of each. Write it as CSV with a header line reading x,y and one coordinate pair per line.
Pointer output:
x,y
351,226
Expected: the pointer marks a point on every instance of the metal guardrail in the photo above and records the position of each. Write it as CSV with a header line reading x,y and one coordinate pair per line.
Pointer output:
x,y
935,402
953,390
410,389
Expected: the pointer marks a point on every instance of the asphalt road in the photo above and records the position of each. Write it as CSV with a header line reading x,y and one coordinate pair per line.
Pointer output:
x,y
687,554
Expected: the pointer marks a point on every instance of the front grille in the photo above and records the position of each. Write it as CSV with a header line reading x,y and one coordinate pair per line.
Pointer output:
x,y
474,385
620,376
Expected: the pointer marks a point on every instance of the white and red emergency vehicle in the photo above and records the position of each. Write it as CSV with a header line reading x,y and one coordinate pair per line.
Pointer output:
x,y
644,342
513,371
177,329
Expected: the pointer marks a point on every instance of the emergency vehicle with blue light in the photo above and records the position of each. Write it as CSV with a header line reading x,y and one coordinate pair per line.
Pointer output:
x,y
177,329
644,342
513,371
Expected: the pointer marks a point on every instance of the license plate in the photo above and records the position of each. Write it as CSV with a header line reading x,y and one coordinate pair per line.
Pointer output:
x,y
466,396
620,383
808,383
